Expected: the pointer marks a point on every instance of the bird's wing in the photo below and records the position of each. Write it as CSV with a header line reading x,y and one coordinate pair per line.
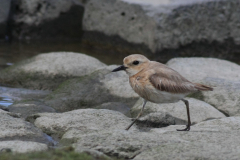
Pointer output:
x,y
168,80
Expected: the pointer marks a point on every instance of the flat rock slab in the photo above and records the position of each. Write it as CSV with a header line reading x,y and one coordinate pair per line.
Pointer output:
x,y
102,86
121,143
175,113
214,139
190,151
220,134
164,24
22,146
13,128
84,121
197,69
46,71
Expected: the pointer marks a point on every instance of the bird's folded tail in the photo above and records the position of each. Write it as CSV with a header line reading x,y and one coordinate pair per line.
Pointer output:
x,y
202,87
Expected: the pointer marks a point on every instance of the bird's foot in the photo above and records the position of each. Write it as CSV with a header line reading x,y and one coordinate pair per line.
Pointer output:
x,y
186,129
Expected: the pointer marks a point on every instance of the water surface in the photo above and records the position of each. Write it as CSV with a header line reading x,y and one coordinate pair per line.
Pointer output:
x,y
5,101
17,51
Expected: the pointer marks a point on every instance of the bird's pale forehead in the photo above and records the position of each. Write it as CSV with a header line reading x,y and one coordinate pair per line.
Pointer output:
x,y
134,57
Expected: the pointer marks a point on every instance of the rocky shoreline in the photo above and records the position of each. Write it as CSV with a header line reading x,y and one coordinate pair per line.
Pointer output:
x,y
90,107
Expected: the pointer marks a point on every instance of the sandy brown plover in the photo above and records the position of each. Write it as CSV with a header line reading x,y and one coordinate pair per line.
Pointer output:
x,y
157,83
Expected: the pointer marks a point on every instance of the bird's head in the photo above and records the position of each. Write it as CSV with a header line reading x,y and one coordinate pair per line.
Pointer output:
x,y
133,64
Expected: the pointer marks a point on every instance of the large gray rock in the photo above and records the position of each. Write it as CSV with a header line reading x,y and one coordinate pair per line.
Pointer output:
x,y
219,134
175,113
191,151
214,139
102,86
197,69
23,146
13,128
225,96
80,122
47,19
46,71
121,143
164,24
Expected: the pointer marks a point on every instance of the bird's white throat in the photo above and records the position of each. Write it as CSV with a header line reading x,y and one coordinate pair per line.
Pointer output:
x,y
131,72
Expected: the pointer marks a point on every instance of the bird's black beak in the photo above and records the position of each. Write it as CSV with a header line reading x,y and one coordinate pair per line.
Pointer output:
x,y
119,68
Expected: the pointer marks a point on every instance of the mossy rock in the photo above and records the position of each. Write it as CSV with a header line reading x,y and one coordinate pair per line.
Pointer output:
x,y
56,154
102,86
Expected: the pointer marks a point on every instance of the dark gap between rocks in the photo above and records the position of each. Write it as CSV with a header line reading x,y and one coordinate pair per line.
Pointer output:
x,y
116,46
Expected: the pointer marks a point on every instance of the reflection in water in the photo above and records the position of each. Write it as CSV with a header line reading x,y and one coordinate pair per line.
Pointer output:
x,y
5,101
52,142
18,51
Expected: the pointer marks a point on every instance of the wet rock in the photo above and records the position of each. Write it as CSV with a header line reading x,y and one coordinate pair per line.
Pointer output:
x,y
27,108
22,146
72,125
197,69
16,129
47,19
18,94
100,87
47,71
159,115
225,96
4,108
167,24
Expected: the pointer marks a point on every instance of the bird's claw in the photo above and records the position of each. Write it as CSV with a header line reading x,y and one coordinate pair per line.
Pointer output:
x,y
186,129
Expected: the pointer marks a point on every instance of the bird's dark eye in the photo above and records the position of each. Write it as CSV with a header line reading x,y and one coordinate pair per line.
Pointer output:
x,y
135,62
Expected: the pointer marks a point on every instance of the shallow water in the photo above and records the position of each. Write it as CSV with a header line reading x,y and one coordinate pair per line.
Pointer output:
x,y
11,53
5,101
17,51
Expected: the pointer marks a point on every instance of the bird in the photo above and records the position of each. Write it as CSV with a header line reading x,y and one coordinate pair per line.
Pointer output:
x,y
158,83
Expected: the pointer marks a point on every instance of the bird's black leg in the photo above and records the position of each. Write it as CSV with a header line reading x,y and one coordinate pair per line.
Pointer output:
x,y
139,115
188,114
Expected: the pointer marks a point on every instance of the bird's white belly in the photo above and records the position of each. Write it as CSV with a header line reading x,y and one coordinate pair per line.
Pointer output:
x,y
150,93
165,97
156,96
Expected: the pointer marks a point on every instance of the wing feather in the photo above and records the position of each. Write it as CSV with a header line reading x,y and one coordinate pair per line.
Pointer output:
x,y
171,81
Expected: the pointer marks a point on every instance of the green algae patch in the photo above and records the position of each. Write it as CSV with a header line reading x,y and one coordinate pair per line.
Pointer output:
x,y
58,154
